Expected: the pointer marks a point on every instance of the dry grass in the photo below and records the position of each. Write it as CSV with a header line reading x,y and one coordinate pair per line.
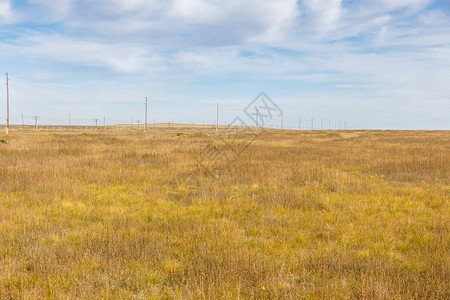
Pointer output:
x,y
354,214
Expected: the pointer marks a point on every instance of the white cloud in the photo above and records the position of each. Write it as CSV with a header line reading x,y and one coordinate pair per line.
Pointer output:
x,y
325,13
434,17
198,11
5,11
411,4
279,17
119,57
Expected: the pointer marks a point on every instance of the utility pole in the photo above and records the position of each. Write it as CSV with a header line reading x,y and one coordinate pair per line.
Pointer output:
x,y
35,122
96,122
104,121
146,102
138,121
312,123
7,104
23,123
217,117
329,124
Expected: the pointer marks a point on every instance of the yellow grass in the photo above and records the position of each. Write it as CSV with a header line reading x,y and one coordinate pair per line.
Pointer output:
x,y
128,215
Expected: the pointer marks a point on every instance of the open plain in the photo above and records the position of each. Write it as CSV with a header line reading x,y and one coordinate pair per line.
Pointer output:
x,y
296,214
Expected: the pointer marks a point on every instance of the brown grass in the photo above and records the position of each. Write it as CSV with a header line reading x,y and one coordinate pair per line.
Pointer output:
x,y
353,214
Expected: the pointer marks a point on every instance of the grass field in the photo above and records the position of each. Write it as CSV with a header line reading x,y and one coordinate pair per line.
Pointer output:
x,y
299,214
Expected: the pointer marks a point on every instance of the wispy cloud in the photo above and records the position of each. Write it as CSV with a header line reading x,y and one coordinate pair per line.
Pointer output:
x,y
117,56
5,11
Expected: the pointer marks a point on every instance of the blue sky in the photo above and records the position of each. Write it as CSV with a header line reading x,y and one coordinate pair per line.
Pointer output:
x,y
371,64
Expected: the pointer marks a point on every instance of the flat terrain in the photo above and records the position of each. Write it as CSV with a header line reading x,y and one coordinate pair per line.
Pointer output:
x,y
196,214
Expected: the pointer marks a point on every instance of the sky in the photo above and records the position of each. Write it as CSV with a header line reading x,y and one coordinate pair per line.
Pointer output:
x,y
366,64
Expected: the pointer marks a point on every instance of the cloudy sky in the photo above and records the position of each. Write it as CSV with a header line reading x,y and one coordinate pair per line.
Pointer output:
x,y
365,63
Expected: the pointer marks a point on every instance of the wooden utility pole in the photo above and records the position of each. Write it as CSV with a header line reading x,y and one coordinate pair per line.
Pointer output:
x,y
35,122
7,104
146,104
217,117
257,118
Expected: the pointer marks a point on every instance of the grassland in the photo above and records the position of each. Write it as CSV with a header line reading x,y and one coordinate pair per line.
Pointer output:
x,y
130,215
